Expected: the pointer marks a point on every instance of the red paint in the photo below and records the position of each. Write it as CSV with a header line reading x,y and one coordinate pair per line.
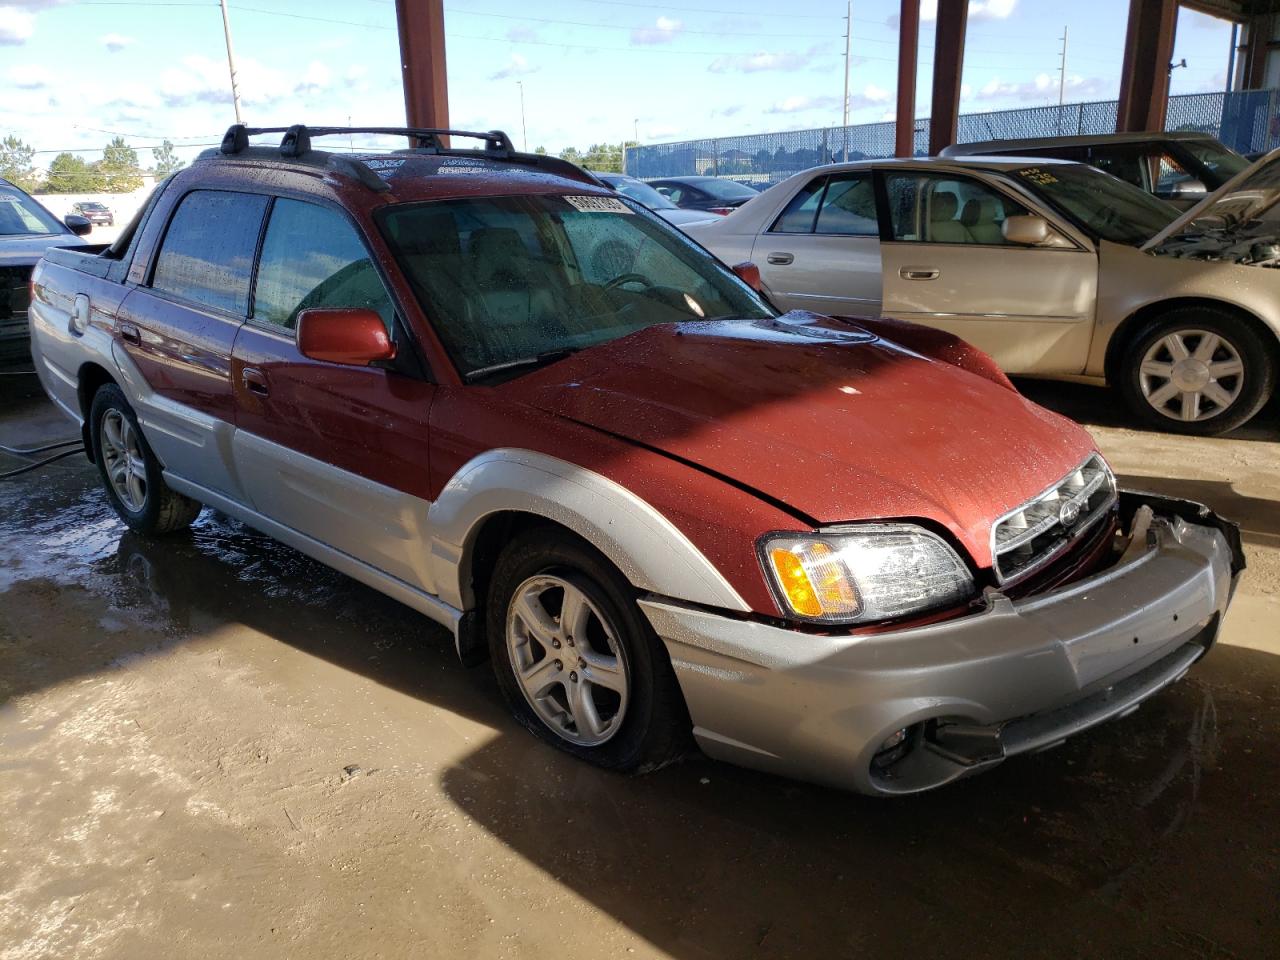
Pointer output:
x,y
749,274
840,431
357,337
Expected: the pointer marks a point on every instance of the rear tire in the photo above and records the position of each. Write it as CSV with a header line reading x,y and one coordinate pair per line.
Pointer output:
x,y
1197,370
131,474
600,687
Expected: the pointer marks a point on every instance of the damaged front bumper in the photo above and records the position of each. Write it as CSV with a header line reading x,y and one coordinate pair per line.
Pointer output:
x,y
1017,676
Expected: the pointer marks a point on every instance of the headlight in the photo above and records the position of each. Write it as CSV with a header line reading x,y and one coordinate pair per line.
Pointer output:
x,y
863,573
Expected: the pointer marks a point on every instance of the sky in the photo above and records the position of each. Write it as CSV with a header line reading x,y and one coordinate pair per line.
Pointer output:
x,y
75,72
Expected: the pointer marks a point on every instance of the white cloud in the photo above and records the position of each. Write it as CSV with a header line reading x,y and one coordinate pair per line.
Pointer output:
x,y
517,66
664,31
115,42
870,96
978,9
787,61
16,26
29,76
1042,88
522,32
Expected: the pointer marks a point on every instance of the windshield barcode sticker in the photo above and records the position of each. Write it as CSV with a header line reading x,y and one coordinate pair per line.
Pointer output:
x,y
598,204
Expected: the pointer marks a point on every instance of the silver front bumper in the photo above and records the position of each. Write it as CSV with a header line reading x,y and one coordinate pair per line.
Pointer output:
x,y
1017,676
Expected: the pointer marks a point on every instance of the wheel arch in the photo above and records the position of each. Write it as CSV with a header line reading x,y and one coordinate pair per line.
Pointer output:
x,y
1133,323
90,378
505,490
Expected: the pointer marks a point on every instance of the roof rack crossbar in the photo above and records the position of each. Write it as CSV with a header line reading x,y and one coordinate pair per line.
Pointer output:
x,y
297,138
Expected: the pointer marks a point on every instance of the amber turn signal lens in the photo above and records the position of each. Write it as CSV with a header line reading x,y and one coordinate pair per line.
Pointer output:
x,y
795,583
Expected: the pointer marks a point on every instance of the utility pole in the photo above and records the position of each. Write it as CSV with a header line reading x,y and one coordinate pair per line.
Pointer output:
x,y
231,61
524,132
1062,78
848,39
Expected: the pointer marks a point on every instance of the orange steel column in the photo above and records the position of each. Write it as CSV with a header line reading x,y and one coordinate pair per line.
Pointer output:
x,y
1144,74
426,86
948,65
904,141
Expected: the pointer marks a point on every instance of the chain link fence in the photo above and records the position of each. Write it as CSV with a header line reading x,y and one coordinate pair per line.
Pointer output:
x,y
1245,120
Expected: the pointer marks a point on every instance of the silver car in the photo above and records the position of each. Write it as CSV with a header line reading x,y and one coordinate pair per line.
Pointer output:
x,y
1054,268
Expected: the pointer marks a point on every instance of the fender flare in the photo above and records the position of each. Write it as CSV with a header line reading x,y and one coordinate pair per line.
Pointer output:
x,y
652,553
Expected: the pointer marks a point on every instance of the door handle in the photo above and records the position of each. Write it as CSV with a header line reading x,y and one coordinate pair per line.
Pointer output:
x,y
130,333
919,273
254,380
780,258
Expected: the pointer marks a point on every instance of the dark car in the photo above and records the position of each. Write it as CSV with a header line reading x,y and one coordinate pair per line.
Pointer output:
x,y
712,194
96,213
1178,167
26,230
642,193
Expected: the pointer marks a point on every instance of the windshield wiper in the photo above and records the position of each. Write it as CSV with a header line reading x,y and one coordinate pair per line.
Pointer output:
x,y
539,360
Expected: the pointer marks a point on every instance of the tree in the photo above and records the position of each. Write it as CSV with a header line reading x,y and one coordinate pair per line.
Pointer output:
x,y
119,167
16,163
570,154
541,151
166,160
71,174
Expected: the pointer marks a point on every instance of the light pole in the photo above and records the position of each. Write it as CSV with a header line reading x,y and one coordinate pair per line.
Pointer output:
x,y
231,61
524,133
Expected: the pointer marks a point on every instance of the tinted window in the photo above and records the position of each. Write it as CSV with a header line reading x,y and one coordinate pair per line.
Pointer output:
x,y
312,257
930,208
22,216
849,207
800,213
726,189
1123,162
1105,207
640,191
207,255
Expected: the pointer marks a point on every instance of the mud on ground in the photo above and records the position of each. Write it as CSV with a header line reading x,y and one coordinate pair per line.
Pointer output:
x,y
213,747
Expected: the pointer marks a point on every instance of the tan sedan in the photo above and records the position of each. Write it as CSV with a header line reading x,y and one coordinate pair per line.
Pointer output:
x,y
1054,268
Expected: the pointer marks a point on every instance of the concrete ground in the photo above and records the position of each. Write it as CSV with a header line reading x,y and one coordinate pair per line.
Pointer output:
x,y
213,747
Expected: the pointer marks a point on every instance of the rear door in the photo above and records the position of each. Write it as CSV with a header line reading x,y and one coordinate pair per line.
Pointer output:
x,y
332,451
947,265
178,328
822,253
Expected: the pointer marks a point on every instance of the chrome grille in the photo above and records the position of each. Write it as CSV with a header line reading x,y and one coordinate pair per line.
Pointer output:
x,y
1027,538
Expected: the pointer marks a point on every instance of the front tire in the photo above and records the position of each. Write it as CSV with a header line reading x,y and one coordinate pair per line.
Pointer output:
x,y
576,660
131,474
1197,370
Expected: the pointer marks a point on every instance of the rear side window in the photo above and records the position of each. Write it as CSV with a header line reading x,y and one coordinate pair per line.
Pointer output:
x,y
207,254
849,207
799,215
312,257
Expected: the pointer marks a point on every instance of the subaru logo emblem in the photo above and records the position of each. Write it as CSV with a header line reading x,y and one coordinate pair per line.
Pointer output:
x,y
1069,513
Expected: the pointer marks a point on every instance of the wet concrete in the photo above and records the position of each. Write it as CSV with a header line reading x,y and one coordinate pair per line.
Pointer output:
x,y
211,746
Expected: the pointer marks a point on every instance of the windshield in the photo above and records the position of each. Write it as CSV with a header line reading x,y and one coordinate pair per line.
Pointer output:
x,y
641,192
726,189
506,279
20,216
1104,206
1218,162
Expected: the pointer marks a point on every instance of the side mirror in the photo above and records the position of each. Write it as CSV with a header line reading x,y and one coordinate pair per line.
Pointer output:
x,y
354,336
1185,190
1025,229
749,274
78,224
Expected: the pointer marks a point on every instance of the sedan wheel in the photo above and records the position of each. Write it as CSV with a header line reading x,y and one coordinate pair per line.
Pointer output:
x,y
1201,370
567,660
1192,375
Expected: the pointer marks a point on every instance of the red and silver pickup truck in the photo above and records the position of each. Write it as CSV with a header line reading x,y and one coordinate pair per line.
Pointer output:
x,y
842,550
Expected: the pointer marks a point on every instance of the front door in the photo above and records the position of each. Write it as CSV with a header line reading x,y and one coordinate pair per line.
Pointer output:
x,y
822,253
332,451
948,265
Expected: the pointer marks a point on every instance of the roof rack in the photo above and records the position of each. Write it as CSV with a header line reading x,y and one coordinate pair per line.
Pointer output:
x,y
296,144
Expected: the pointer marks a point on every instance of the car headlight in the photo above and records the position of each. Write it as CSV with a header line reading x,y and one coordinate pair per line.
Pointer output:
x,y
862,573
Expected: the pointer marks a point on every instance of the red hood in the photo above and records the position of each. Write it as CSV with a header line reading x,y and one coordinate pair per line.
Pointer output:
x,y
837,424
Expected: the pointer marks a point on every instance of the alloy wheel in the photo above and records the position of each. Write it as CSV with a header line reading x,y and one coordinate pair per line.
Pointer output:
x,y
567,660
1191,375
125,463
